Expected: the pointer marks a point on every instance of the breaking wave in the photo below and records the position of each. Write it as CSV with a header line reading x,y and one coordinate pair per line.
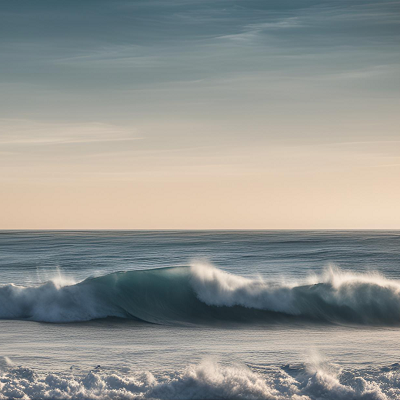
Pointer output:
x,y
207,380
204,294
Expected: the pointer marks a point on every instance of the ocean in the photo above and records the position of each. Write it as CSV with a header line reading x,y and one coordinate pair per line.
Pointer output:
x,y
200,315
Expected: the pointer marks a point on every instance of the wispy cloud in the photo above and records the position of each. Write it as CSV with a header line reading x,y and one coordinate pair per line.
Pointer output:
x,y
25,132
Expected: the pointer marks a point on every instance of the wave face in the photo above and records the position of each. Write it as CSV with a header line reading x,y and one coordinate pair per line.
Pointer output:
x,y
204,294
207,380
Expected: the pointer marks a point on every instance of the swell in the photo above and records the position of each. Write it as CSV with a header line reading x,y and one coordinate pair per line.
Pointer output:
x,y
203,294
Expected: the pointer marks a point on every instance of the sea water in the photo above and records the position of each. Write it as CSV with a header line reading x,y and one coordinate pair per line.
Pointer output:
x,y
200,315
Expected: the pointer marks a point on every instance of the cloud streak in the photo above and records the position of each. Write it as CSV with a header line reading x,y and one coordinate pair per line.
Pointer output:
x,y
34,133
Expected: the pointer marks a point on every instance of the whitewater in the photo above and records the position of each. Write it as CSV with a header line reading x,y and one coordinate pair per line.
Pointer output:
x,y
199,315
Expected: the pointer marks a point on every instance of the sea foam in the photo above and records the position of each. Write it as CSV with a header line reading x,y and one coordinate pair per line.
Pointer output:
x,y
207,380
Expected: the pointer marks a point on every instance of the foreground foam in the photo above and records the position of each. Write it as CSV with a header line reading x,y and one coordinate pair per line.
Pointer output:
x,y
204,294
208,380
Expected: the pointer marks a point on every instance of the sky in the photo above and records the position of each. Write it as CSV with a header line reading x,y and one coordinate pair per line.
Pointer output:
x,y
198,114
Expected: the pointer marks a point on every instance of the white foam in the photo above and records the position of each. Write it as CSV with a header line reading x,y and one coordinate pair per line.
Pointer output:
x,y
52,302
335,295
216,287
207,380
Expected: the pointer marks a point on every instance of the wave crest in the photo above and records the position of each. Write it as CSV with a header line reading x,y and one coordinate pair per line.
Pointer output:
x,y
335,296
204,294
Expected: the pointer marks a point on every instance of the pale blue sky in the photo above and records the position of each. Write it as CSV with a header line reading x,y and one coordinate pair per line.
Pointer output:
x,y
234,105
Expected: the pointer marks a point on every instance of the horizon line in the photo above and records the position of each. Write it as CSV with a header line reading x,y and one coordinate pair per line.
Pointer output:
x,y
199,230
